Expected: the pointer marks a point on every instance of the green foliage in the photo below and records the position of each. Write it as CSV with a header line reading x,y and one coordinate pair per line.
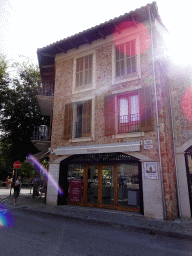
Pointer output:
x,y
20,113
26,170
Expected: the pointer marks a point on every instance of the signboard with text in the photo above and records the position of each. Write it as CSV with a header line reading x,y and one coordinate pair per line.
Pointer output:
x,y
75,190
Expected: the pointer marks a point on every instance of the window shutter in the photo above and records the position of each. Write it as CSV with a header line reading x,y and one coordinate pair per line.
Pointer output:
x,y
109,112
86,118
68,120
146,111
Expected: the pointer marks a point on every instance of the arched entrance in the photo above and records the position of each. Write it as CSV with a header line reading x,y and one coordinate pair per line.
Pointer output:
x,y
110,180
188,161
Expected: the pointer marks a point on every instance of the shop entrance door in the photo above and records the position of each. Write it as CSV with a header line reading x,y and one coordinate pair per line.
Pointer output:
x,y
99,186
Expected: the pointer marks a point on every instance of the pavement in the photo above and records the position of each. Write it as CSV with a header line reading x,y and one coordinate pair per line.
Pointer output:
x,y
178,228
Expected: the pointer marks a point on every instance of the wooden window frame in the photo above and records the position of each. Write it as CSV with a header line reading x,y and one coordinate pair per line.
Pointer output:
x,y
82,68
123,53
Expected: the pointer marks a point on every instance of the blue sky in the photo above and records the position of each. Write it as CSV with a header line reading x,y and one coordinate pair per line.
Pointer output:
x,y
28,25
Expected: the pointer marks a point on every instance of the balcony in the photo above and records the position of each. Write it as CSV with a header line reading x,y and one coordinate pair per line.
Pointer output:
x,y
46,88
127,124
41,137
45,97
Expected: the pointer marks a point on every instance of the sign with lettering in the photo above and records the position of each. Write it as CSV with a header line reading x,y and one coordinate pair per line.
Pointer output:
x,y
150,170
75,190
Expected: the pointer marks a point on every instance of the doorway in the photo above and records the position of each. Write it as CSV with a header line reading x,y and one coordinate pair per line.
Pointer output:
x,y
188,161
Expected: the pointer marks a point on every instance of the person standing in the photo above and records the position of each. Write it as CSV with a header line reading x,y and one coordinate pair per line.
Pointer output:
x,y
7,179
36,183
17,188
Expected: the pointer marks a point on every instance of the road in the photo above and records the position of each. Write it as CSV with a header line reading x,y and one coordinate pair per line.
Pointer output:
x,y
41,235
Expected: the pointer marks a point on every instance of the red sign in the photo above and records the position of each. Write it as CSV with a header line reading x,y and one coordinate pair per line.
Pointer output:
x,y
75,190
17,165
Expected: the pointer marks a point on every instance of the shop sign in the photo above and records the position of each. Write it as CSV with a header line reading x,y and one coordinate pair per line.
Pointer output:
x,y
150,170
75,190
148,144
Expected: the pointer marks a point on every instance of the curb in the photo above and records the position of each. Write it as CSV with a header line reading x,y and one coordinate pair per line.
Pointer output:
x,y
145,230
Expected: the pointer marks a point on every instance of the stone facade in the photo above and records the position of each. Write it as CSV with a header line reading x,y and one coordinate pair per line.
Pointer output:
x,y
150,82
103,76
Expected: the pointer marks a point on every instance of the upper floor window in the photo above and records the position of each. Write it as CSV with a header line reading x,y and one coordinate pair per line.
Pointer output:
x,y
84,70
78,119
128,112
126,58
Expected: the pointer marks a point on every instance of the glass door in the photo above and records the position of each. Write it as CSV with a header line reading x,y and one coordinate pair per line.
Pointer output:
x,y
92,184
107,185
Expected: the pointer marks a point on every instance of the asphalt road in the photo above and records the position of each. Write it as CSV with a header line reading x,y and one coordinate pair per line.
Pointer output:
x,y
40,235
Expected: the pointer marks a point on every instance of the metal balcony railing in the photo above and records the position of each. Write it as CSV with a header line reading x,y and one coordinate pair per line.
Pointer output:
x,y
129,123
41,133
46,88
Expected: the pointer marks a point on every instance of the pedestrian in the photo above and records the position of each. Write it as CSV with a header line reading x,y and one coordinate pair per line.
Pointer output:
x,y
17,188
7,179
36,183
9,183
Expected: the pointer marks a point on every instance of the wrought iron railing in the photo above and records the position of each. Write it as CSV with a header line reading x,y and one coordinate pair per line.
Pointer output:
x,y
41,133
46,88
128,123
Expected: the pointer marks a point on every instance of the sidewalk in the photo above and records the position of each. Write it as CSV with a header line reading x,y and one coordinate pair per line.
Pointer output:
x,y
179,228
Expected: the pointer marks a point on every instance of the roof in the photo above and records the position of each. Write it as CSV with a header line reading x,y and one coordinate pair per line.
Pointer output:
x,y
46,55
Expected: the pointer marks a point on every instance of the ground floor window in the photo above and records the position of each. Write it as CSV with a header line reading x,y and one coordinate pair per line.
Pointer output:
x,y
113,186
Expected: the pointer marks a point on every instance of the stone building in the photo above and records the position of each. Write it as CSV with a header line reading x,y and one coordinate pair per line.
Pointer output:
x,y
180,81
108,97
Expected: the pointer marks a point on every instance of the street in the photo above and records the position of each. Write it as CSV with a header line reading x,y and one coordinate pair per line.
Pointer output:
x,y
41,235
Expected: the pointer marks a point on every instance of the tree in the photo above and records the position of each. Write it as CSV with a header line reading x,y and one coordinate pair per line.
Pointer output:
x,y
3,78
26,170
20,113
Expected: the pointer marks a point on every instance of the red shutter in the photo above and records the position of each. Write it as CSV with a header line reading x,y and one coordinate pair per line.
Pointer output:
x,y
86,118
109,112
146,111
68,120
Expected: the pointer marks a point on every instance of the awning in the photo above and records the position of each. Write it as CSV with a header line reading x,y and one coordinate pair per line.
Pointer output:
x,y
101,148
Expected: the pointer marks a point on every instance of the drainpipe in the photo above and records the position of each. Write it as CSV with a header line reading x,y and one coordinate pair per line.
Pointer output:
x,y
174,152
157,117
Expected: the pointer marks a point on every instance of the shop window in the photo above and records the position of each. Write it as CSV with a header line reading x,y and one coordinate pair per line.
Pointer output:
x,y
128,185
77,121
75,181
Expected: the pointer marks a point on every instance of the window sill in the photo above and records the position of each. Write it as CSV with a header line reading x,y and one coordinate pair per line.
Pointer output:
x,y
82,139
128,135
83,88
124,79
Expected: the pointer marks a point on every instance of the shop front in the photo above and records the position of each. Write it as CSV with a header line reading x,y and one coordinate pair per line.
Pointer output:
x,y
104,180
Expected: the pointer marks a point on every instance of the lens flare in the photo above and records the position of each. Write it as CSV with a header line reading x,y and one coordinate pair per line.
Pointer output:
x,y
187,103
132,29
40,167
6,217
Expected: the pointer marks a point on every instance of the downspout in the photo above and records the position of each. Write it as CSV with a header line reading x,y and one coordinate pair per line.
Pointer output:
x,y
157,117
174,153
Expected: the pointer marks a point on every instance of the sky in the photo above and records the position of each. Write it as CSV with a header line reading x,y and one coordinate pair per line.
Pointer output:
x,y
26,26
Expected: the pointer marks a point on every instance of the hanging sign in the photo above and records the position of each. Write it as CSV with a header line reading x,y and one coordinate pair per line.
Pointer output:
x,y
150,170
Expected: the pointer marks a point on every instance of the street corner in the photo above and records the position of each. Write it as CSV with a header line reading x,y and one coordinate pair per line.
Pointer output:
x,y
6,216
